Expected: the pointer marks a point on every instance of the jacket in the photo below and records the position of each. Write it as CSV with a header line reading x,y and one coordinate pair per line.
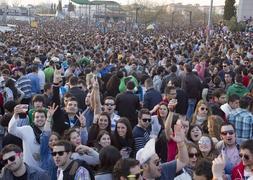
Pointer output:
x,y
60,118
32,174
238,89
192,85
80,96
151,98
238,172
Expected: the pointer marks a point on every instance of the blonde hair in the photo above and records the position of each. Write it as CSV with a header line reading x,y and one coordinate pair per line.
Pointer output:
x,y
194,116
215,123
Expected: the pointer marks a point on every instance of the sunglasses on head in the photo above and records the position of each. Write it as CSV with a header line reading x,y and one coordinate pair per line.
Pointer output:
x,y
245,156
60,153
12,159
191,155
145,120
227,132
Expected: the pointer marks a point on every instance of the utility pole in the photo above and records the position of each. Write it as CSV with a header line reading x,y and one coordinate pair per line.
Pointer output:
x,y
209,26
172,19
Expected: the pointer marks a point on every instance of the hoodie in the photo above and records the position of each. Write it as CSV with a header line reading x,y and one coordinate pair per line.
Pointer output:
x,y
238,89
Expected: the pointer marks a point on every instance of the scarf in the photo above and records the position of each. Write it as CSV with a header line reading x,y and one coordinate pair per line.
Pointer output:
x,y
37,133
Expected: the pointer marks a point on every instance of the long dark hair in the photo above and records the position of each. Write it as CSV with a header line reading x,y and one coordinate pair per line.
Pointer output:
x,y
125,121
11,84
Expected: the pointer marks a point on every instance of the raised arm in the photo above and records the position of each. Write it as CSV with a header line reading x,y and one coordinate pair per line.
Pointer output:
x,y
167,125
96,98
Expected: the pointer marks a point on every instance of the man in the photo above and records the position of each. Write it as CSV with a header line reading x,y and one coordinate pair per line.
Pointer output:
x,y
151,97
127,103
38,103
203,170
181,96
232,104
49,72
126,169
228,80
15,168
150,162
24,84
33,76
109,107
77,92
228,147
192,86
237,88
244,169
218,98
225,70
242,119
169,77
47,94
141,131
30,135
68,168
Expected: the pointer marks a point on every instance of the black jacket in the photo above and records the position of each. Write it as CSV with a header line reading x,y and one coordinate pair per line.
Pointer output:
x,y
152,98
127,104
192,86
60,118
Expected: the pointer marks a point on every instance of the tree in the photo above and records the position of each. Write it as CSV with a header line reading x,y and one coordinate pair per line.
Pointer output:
x,y
229,9
59,7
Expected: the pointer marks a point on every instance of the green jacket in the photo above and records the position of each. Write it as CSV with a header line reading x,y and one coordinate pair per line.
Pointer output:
x,y
238,89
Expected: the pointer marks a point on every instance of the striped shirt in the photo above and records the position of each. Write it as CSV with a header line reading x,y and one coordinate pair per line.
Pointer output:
x,y
25,85
141,137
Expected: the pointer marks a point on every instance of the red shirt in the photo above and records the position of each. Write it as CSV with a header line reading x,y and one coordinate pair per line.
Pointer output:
x,y
245,80
171,150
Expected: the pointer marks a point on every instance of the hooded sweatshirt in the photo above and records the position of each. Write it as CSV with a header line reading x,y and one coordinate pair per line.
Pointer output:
x,y
238,89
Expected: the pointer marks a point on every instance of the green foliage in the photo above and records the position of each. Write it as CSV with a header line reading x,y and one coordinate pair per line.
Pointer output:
x,y
71,7
229,9
235,26
59,7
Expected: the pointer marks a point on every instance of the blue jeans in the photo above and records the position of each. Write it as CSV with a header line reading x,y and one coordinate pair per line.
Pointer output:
x,y
191,107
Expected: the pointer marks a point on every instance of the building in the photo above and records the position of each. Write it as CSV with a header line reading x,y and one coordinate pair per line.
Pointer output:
x,y
245,10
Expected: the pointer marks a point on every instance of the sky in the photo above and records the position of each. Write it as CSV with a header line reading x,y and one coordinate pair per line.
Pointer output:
x,y
161,2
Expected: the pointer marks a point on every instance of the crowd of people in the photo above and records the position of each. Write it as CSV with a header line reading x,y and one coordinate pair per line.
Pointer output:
x,y
163,104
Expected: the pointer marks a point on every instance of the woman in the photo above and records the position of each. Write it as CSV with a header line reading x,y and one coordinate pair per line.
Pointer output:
x,y
123,137
81,151
11,93
213,124
162,113
103,123
108,157
201,113
103,139
166,148
207,148
194,134
188,170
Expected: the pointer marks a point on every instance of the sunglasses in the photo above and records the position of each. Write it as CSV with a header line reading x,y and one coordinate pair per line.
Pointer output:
x,y
191,155
224,65
60,153
227,132
202,109
245,156
134,176
107,104
145,120
12,159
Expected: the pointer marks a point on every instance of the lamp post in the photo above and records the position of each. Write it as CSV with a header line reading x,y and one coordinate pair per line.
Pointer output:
x,y
209,26
172,19
136,14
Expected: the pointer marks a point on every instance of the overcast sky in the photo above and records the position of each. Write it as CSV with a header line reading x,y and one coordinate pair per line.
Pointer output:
x,y
201,2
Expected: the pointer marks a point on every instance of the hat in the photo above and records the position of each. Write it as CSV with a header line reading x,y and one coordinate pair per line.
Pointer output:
x,y
55,59
147,152
37,60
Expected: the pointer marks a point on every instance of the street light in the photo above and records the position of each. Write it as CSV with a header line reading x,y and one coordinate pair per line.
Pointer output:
x,y
172,18
209,21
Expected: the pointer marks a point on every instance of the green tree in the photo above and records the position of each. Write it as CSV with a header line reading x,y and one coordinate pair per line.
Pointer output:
x,y
59,7
229,9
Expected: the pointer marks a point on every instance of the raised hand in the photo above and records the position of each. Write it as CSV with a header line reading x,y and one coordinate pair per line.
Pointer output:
x,y
20,108
179,135
51,110
81,119
218,166
82,149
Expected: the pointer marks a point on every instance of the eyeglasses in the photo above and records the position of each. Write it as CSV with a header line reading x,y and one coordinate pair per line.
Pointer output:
x,y
12,159
60,153
191,155
108,104
202,109
245,156
145,120
227,132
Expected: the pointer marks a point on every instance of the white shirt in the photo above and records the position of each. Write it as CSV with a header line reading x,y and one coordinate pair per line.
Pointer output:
x,y
226,109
